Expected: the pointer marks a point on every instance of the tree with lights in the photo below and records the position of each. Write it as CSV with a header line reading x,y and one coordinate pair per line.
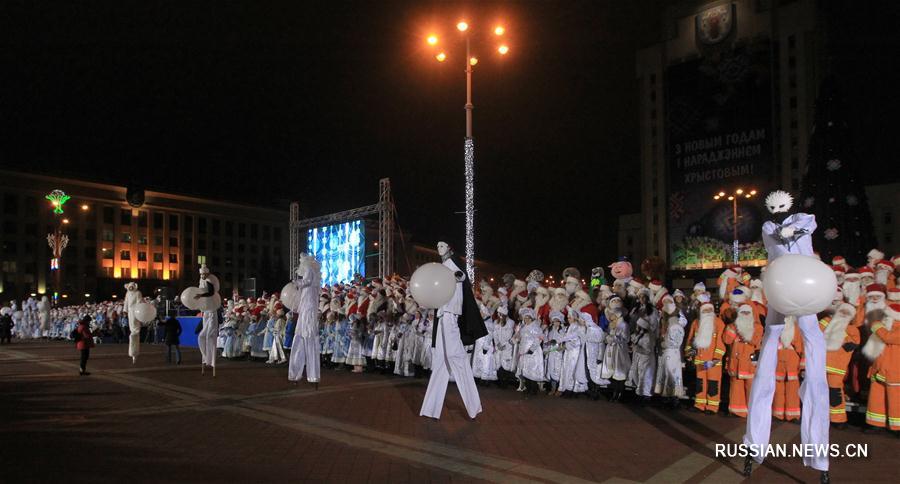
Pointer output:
x,y
832,190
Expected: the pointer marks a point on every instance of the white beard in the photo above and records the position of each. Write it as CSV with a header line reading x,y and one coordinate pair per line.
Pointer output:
x,y
703,337
851,291
557,303
875,306
881,277
745,327
787,334
580,303
835,332
875,345
757,295
374,303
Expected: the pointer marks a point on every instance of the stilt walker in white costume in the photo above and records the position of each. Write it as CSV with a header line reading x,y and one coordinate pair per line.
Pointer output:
x,y
459,324
206,340
133,297
787,233
305,346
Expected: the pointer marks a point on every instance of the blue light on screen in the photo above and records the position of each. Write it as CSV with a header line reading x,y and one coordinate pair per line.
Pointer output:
x,y
339,249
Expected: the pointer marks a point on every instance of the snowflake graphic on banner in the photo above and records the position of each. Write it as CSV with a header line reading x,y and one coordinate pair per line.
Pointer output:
x,y
831,233
852,200
833,164
809,202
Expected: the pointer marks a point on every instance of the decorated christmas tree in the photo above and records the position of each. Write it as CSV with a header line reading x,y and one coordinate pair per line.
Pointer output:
x,y
832,188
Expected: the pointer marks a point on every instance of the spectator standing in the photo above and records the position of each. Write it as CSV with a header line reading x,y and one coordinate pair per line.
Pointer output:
x,y
84,341
173,338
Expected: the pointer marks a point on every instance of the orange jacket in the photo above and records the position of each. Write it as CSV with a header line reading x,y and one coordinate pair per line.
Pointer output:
x,y
716,348
837,361
790,358
739,363
886,368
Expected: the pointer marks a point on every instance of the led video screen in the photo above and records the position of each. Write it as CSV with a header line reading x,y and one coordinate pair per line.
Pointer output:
x,y
340,249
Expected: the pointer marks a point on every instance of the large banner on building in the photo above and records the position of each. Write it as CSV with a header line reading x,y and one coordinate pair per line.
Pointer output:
x,y
719,138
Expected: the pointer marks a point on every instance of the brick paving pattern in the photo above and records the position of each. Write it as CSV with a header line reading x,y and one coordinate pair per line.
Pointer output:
x,y
153,422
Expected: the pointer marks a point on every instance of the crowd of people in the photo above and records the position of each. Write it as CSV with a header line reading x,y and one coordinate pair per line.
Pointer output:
x,y
627,338
630,339
37,319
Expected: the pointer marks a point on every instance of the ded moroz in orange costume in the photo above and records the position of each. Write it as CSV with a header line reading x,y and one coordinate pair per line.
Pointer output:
x,y
786,405
707,349
743,337
841,339
883,350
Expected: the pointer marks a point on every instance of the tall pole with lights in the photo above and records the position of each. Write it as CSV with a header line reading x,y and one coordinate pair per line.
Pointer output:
x,y
733,198
469,141
57,240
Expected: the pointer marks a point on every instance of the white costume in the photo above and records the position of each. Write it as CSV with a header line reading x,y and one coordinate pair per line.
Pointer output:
x,y
44,315
504,355
132,298
276,353
483,366
573,377
305,346
793,236
449,355
594,347
554,356
208,336
643,358
530,353
616,361
424,330
668,367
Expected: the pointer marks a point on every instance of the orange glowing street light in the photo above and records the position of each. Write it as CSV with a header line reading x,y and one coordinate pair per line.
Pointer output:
x,y
733,198
469,143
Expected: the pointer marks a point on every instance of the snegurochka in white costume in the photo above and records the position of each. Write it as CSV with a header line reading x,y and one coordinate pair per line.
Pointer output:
x,y
788,233
206,340
305,347
459,324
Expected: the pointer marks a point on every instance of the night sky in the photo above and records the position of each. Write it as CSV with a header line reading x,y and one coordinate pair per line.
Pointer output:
x,y
265,102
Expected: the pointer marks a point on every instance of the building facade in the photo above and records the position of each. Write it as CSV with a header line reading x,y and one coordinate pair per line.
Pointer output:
x,y
726,101
116,235
632,237
884,201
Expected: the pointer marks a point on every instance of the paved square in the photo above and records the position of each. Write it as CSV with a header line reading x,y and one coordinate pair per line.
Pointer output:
x,y
153,422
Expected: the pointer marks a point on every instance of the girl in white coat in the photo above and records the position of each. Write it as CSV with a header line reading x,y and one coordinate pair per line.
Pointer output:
x,y
530,354
553,352
573,378
483,353
504,354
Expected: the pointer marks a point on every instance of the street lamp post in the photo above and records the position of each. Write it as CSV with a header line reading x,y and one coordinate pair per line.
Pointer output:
x,y
733,198
469,141
57,240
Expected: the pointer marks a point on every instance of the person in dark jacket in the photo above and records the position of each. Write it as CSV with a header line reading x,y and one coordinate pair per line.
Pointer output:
x,y
6,326
173,338
84,341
